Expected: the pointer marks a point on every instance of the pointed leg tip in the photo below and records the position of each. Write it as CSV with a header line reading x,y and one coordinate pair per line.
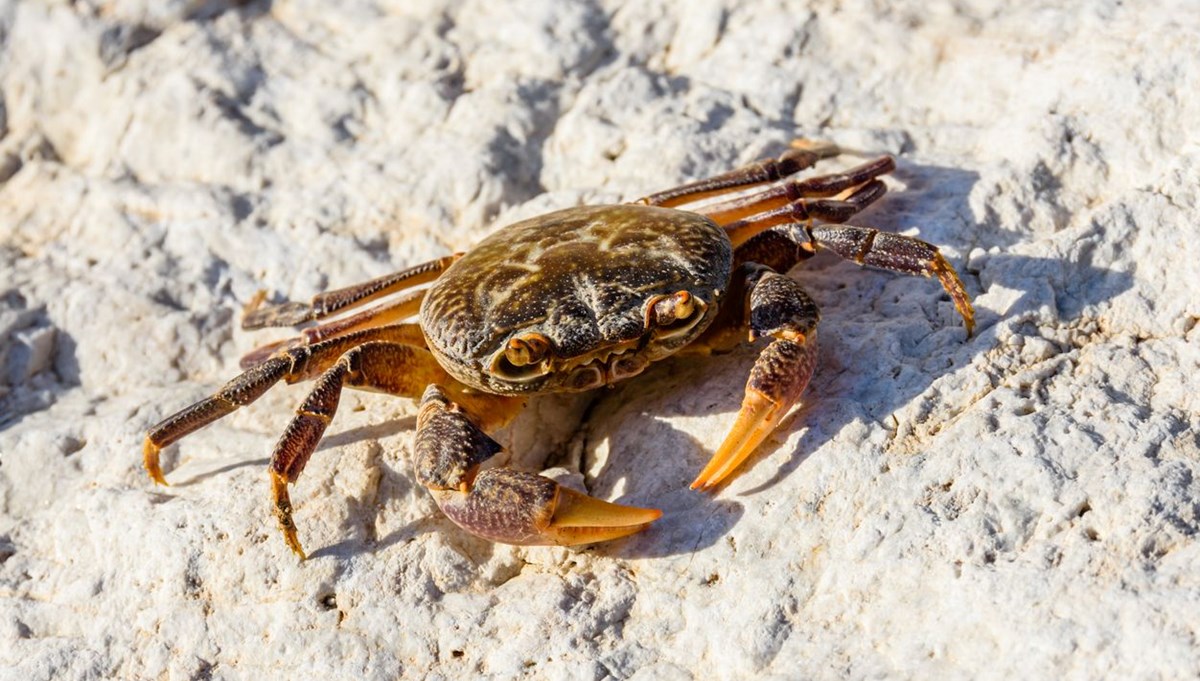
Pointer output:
x,y
283,513
150,462
254,302
294,544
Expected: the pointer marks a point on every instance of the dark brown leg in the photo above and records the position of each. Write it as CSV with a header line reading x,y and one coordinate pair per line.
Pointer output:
x,y
782,194
898,253
291,365
804,211
325,304
780,248
781,309
501,504
380,366
804,154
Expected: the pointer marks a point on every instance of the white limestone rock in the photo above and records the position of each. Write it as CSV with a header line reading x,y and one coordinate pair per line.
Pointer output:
x,y
1022,503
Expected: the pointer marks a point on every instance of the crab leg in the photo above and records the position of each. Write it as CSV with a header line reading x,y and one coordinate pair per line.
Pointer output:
x,y
329,302
803,154
381,366
897,253
290,365
782,194
781,309
805,211
501,504
379,315
782,247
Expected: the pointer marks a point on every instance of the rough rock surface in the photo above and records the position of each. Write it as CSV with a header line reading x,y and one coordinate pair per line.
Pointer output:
x,y
1025,502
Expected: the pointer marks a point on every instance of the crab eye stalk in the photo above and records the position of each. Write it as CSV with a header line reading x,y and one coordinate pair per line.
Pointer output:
x,y
674,315
522,358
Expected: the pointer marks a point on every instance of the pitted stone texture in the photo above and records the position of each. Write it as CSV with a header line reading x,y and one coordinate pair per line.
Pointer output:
x,y
1018,504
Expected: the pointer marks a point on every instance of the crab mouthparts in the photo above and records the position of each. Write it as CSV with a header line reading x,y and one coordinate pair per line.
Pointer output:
x,y
616,363
605,366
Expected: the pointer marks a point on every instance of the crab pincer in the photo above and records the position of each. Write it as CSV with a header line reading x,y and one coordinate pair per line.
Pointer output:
x,y
779,308
501,504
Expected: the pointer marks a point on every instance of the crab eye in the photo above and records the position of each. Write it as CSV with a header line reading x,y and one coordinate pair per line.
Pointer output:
x,y
529,348
674,315
522,357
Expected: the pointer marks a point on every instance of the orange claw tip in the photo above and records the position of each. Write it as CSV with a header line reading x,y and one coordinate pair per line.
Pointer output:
x,y
575,509
756,420
580,519
150,461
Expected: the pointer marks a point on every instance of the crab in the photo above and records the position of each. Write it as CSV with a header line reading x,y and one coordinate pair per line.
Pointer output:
x,y
571,301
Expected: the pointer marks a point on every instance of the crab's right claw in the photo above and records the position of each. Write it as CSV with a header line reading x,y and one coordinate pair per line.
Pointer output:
x,y
779,307
515,507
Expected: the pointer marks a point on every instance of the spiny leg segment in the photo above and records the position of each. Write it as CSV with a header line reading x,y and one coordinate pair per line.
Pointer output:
x,y
384,314
803,154
803,211
897,253
799,190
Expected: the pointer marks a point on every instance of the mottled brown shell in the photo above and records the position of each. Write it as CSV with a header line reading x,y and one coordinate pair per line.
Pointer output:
x,y
582,277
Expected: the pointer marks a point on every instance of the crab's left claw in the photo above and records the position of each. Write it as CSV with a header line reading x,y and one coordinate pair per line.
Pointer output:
x,y
781,309
767,401
501,504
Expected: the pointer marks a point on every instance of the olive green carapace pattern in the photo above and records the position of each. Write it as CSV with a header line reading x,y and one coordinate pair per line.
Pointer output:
x,y
581,277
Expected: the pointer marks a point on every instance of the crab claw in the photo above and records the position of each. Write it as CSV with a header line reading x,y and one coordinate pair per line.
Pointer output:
x,y
776,382
757,419
515,507
580,519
